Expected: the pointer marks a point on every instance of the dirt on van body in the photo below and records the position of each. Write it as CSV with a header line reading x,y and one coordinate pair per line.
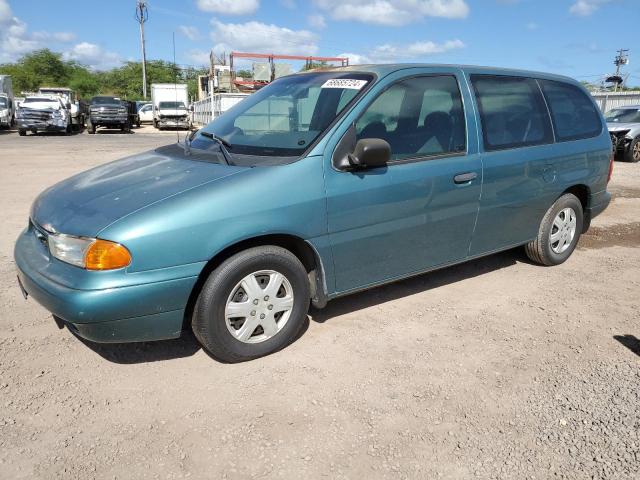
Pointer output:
x,y
497,368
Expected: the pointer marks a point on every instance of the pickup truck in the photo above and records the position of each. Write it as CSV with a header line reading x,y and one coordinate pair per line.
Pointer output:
x,y
44,113
78,108
108,112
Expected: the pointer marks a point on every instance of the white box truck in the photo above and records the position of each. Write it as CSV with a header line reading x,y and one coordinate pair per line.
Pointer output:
x,y
170,101
7,102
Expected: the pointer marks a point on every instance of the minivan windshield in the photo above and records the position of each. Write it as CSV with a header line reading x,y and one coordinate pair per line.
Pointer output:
x,y
171,105
623,115
284,118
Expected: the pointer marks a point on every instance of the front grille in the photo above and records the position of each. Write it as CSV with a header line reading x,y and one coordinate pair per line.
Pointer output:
x,y
173,117
617,138
35,115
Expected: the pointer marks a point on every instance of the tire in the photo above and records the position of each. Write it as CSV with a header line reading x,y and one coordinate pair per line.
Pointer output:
x,y
91,128
211,326
69,129
155,124
22,132
138,124
632,154
543,249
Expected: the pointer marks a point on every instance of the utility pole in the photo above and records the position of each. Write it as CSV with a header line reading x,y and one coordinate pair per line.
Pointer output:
x,y
621,59
142,15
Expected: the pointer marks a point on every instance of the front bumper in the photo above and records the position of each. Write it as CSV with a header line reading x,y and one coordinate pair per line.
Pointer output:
x,y
130,313
175,123
40,126
98,119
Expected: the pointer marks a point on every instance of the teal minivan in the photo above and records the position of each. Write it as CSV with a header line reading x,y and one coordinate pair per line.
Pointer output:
x,y
319,185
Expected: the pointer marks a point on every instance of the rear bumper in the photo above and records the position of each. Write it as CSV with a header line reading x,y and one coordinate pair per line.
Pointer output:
x,y
131,313
599,203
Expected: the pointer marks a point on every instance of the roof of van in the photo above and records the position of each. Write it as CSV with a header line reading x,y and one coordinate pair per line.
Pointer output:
x,y
384,69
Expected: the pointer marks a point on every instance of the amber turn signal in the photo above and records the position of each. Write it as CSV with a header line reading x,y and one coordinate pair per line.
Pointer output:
x,y
105,255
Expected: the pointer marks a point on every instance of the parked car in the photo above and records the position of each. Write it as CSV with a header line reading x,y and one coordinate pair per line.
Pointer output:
x,y
170,105
624,126
7,102
43,113
146,113
319,185
106,111
77,107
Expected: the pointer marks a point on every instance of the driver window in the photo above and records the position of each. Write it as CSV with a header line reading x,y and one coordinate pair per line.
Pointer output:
x,y
418,117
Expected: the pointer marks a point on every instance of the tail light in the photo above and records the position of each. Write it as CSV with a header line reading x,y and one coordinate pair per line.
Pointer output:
x,y
611,167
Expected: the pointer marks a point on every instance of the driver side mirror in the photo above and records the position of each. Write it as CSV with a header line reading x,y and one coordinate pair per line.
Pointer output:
x,y
352,154
370,153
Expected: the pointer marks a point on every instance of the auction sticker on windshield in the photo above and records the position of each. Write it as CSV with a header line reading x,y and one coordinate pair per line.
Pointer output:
x,y
351,83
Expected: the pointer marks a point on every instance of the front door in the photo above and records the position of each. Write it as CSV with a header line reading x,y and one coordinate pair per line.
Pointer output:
x,y
419,211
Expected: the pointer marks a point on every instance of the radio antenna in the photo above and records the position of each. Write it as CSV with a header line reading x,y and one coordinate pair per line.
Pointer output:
x,y
175,81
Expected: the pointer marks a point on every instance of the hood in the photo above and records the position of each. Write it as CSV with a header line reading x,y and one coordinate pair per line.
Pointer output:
x,y
85,204
173,111
49,106
98,106
617,126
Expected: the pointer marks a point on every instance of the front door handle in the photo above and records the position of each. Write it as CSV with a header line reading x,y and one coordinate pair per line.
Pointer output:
x,y
465,177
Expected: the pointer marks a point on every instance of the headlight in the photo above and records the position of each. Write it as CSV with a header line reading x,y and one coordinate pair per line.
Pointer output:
x,y
89,253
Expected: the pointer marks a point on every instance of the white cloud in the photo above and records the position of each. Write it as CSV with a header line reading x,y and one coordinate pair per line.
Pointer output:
x,y
262,38
584,8
5,13
229,7
356,58
317,21
198,57
192,33
415,50
62,37
16,40
393,12
93,56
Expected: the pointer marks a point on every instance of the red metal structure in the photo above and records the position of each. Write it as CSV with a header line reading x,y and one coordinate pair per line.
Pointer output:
x,y
270,57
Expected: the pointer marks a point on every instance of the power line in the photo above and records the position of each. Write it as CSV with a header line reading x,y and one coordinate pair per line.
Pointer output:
x,y
142,15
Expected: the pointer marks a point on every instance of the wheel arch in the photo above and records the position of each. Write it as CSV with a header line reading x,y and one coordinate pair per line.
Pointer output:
x,y
303,250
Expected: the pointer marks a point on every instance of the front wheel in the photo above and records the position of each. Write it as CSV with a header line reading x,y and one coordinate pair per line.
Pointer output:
x,y
253,304
633,152
559,232
22,132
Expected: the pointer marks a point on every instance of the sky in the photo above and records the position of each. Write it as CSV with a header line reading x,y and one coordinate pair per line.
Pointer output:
x,y
578,38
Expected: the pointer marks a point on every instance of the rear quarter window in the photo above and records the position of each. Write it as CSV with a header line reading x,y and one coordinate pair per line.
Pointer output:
x,y
512,112
573,113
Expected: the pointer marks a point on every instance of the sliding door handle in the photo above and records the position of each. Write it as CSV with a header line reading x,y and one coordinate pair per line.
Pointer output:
x,y
465,177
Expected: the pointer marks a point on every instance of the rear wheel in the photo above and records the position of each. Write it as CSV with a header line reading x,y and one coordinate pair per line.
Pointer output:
x,y
22,132
559,232
633,152
253,304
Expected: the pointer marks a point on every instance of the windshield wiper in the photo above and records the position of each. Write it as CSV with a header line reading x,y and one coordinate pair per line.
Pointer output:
x,y
222,143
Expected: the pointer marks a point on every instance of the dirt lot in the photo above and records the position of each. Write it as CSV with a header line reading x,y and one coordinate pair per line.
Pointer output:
x,y
493,369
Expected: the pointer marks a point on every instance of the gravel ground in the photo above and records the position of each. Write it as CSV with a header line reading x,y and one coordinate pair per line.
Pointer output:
x,y
493,369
